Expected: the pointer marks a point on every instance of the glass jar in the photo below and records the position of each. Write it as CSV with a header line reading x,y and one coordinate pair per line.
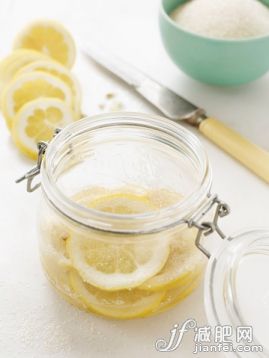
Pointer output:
x,y
118,191
125,208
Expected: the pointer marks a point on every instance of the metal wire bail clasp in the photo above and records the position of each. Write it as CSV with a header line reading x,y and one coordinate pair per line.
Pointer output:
x,y
29,176
208,227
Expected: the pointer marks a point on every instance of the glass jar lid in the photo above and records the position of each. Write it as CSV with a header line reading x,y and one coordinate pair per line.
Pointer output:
x,y
237,289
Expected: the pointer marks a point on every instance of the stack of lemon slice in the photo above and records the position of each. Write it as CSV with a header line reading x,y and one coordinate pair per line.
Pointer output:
x,y
119,276
38,91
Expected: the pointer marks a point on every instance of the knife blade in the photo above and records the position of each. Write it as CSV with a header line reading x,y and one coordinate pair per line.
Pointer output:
x,y
177,108
167,101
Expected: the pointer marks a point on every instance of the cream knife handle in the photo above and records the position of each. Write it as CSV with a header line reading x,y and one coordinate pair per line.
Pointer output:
x,y
250,155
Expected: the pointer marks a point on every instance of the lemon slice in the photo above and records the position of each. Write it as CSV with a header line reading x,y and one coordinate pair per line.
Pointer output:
x,y
54,234
152,199
108,263
29,86
16,60
175,295
58,70
184,258
36,121
58,271
113,266
50,38
123,304
54,259
122,203
53,252
86,196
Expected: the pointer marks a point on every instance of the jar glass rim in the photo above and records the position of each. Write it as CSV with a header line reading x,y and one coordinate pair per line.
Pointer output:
x,y
98,220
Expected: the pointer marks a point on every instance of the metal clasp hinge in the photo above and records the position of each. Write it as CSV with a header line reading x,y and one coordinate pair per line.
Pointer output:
x,y
29,176
208,228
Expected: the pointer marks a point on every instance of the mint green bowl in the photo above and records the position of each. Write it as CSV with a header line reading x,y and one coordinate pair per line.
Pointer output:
x,y
209,60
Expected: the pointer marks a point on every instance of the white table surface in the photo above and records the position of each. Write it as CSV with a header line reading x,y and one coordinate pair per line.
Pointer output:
x,y
34,321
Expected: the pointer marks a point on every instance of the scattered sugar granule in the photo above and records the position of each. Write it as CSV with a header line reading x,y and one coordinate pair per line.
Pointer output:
x,y
111,103
226,19
110,95
116,106
101,106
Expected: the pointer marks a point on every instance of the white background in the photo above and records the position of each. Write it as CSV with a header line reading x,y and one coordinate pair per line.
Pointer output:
x,y
34,321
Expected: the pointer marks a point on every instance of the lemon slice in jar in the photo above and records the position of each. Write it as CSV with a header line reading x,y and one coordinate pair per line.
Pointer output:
x,y
115,266
110,262
55,260
175,295
56,69
53,253
124,304
183,260
50,38
123,203
57,269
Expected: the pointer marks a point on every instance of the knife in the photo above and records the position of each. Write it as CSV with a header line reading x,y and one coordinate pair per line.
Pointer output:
x,y
177,109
